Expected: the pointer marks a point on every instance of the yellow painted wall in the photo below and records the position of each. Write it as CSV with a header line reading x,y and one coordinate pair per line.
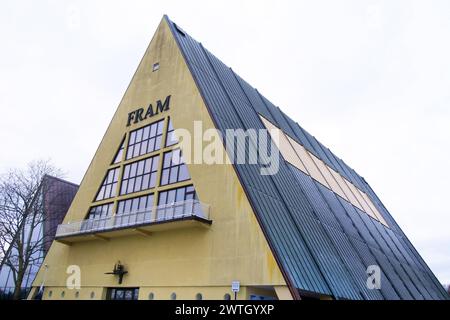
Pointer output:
x,y
187,261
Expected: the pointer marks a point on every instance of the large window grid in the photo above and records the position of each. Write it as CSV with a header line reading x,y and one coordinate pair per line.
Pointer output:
x,y
140,175
145,140
134,211
109,185
171,139
177,203
174,169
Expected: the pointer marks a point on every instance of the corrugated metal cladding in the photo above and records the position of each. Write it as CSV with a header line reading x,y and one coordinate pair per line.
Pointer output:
x,y
322,242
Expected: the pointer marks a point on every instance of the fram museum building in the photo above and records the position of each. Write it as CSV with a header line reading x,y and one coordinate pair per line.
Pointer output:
x,y
289,221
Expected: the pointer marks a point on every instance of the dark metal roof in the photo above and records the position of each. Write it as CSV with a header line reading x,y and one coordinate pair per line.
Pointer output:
x,y
322,243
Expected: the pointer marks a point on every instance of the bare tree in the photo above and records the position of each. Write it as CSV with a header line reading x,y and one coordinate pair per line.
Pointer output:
x,y
22,215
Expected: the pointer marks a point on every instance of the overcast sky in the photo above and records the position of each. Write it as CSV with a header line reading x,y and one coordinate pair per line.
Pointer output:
x,y
370,79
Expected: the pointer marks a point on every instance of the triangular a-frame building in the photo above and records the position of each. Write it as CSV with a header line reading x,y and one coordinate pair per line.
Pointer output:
x,y
148,224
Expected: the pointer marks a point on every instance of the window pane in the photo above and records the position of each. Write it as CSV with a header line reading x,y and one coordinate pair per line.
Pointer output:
x,y
145,181
142,204
139,135
158,143
126,172
171,196
144,147
116,175
119,153
123,189
152,180
110,176
130,186
108,191
152,130
136,150
162,198
165,177
127,206
135,204
155,164
113,189
173,175
151,145
189,196
133,169
120,207
167,159
183,174
132,137
137,184
180,195
101,193
140,169
146,133
160,127
150,201
130,152
148,165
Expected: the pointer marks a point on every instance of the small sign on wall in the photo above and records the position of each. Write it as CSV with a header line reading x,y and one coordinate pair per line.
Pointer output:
x,y
235,287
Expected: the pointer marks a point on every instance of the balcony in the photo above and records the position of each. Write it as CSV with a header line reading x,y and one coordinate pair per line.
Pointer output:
x,y
184,214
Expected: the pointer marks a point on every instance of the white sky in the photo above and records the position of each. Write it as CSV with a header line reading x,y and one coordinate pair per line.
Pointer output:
x,y
370,79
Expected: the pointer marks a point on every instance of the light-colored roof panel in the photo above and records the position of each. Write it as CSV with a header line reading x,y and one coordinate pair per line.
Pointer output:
x,y
325,170
283,144
313,171
365,207
373,208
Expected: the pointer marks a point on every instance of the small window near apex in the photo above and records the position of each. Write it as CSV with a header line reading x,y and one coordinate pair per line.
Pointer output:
x,y
155,67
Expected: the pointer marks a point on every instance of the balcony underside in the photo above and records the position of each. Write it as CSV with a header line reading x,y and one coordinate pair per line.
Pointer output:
x,y
143,229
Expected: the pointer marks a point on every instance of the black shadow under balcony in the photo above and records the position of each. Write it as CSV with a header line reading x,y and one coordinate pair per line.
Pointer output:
x,y
184,214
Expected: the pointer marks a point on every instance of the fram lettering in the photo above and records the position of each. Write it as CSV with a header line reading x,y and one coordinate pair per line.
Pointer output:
x,y
142,114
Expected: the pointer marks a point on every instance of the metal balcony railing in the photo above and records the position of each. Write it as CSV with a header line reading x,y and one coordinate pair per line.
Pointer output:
x,y
163,213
